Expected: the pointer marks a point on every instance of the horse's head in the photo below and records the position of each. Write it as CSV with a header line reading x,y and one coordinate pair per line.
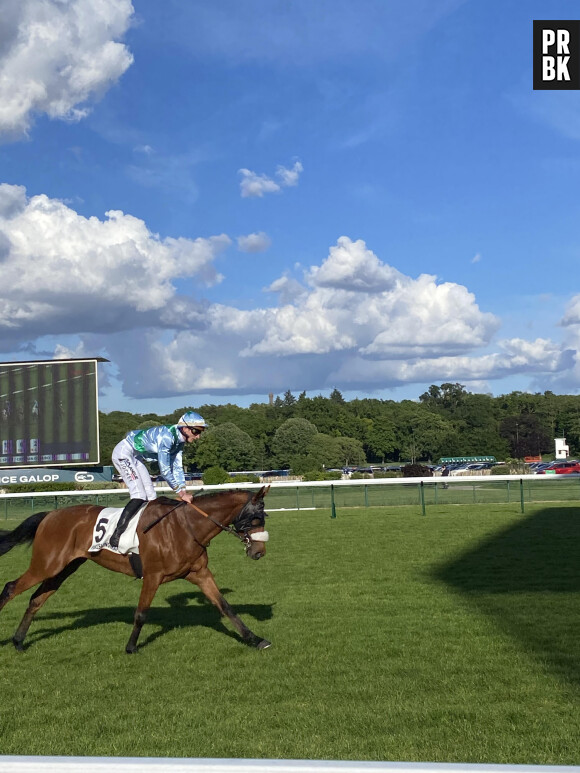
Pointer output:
x,y
249,524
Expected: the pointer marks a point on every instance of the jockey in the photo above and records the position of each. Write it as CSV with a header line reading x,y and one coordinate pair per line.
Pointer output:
x,y
163,445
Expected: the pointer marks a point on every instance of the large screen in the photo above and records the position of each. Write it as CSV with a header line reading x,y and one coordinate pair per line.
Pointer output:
x,y
48,413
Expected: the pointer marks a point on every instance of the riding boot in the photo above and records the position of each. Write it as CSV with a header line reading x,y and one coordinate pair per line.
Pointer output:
x,y
130,509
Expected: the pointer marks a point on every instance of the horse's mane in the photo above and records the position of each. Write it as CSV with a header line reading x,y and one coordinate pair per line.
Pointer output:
x,y
212,494
204,495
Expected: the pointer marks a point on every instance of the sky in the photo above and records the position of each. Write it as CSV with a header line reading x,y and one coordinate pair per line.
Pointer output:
x,y
234,198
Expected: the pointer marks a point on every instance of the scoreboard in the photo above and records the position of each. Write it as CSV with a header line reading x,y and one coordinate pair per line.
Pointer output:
x,y
49,413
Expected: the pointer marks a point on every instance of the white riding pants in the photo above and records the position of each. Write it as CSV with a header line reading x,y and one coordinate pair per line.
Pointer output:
x,y
133,471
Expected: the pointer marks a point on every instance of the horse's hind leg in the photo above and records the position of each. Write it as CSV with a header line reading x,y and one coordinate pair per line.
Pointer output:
x,y
40,596
205,582
16,587
43,564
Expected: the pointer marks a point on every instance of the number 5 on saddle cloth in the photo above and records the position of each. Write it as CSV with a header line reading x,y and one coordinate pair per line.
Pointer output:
x,y
116,528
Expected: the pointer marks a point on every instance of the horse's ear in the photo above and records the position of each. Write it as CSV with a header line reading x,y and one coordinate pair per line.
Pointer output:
x,y
260,494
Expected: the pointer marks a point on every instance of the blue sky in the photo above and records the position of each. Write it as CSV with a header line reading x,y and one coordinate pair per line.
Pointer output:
x,y
237,197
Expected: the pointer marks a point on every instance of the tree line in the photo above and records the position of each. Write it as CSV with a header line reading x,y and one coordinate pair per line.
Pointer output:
x,y
315,433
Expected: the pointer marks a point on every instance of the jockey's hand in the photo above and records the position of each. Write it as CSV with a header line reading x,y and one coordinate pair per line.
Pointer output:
x,y
185,496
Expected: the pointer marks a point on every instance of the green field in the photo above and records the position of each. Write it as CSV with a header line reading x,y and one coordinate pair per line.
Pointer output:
x,y
453,637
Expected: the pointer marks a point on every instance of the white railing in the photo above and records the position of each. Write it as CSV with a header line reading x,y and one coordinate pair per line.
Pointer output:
x,y
161,765
427,491
314,483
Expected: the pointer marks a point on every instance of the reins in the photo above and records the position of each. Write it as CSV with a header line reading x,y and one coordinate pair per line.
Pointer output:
x,y
161,517
245,539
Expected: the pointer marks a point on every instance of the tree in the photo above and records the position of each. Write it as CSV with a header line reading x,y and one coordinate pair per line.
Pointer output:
x,y
205,451
328,415
422,434
447,397
214,476
323,451
350,451
337,397
292,439
380,437
226,446
524,434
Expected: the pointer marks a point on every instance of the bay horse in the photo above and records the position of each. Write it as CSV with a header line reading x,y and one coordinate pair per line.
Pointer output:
x,y
173,539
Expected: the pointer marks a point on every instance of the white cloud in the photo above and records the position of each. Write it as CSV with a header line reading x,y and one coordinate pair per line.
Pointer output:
x,y
357,302
62,271
54,56
289,289
572,312
289,177
256,242
253,185
354,321
351,266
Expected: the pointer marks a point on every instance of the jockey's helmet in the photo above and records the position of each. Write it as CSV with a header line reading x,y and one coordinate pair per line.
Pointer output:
x,y
192,420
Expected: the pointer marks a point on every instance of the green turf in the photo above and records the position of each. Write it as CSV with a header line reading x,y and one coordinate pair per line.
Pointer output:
x,y
452,637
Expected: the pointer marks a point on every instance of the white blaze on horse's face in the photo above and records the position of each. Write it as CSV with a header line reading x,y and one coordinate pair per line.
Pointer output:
x,y
256,543
260,536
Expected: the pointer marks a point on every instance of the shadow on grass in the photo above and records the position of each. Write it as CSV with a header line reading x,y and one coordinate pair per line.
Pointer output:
x,y
527,579
186,610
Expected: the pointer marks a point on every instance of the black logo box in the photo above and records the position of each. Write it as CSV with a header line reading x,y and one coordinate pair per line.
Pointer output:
x,y
562,43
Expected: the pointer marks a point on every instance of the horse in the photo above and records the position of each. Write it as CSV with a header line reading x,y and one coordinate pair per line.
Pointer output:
x,y
173,539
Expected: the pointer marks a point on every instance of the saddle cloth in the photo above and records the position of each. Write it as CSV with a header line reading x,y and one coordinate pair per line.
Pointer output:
x,y
105,525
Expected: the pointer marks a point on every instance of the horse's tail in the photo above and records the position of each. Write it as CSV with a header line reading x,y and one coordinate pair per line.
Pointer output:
x,y
24,532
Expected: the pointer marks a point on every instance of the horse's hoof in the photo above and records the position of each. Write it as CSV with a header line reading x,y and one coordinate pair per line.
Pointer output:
x,y
130,650
264,644
18,645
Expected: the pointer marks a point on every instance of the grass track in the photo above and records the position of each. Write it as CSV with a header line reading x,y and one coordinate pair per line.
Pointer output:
x,y
454,637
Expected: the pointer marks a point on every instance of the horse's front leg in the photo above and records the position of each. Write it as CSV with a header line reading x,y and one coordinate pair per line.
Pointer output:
x,y
205,582
148,591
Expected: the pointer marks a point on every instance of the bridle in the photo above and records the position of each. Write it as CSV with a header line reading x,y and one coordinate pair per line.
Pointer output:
x,y
244,537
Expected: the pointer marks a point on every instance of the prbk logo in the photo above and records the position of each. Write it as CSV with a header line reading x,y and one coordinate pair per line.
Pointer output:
x,y
557,55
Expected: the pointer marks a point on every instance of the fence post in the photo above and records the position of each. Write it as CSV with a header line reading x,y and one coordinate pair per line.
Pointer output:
x,y
297,498
422,495
332,505
522,494
366,496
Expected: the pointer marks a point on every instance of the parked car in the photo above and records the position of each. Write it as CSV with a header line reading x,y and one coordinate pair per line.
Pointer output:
x,y
560,468
457,469
536,465
539,466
